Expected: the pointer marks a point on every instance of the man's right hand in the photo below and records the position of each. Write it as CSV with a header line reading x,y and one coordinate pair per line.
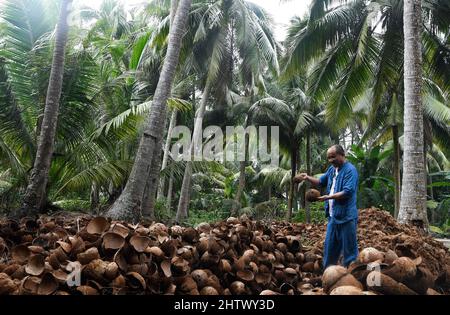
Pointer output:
x,y
300,177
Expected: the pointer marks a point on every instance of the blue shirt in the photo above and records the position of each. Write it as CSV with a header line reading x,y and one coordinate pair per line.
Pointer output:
x,y
344,209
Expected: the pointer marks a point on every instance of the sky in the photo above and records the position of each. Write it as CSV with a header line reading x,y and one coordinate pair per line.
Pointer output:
x,y
281,11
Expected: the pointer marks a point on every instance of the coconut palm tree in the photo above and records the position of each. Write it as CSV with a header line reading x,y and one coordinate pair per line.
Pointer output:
x,y
413,199
293,119
35,196
356,61
228,28
127,206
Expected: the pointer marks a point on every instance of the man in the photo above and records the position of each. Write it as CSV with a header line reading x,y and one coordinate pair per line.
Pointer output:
x,y
341,182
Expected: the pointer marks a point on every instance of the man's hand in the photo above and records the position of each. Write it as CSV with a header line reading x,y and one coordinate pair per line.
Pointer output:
x,y
300,177
323,198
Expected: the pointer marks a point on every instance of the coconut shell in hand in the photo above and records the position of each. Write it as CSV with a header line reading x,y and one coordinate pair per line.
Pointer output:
x,y
312,195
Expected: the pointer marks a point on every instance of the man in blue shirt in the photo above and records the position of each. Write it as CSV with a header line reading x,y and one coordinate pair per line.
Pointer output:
x,y
341,182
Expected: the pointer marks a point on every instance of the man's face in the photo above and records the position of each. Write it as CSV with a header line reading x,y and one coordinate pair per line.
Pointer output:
x,y
334,158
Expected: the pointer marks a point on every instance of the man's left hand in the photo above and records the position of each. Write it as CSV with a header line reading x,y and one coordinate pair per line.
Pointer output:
x,y
323,198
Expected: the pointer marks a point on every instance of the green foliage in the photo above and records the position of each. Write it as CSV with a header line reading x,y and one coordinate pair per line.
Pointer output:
x,y
317,214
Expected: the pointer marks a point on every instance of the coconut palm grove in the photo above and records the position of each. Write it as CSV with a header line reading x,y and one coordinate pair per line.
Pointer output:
x,y
205,147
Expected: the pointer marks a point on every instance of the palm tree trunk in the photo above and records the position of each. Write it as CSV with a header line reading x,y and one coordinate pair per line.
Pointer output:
x,y
128,205
169,196
183,203
94,197
148,199
241,185
35,196
291,184
413,196
397,183
173,121
308,171
173,117
299,199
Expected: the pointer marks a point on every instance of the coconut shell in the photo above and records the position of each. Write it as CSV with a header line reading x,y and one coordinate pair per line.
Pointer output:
x,y
97,225
10,269
245,275
381,283
36,265
136,281
269,292
120,229
347,290
88,256
48,285
78,245
370,254
403,269
347,280
119,282
139,243
7,285
113,241
390,256
19,273
237,288
200,276
422,281
331,276
208,291
111,271
166,267
87,290
20,254
158,229
30,285
263,278
312,195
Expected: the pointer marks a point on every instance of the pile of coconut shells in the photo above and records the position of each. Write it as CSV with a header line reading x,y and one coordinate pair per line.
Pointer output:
x,y
63,254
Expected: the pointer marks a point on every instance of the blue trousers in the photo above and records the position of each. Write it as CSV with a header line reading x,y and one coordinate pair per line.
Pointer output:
x,y
340,239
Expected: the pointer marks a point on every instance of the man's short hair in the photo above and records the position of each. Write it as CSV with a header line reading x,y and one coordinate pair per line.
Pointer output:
x,y
339,149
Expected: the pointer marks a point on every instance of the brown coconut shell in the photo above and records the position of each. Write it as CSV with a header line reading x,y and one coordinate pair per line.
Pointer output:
x,y
331,276
48,284
166,267
113,241
120,229
390,256
88,256
312,195
98,225
381,283
269,292
370,254
87,290
237,288
136,281
347,280
111,271
403,269
347,290
7,285
35,265
200,276
20,254
30,285
139,243
245,275
208,291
